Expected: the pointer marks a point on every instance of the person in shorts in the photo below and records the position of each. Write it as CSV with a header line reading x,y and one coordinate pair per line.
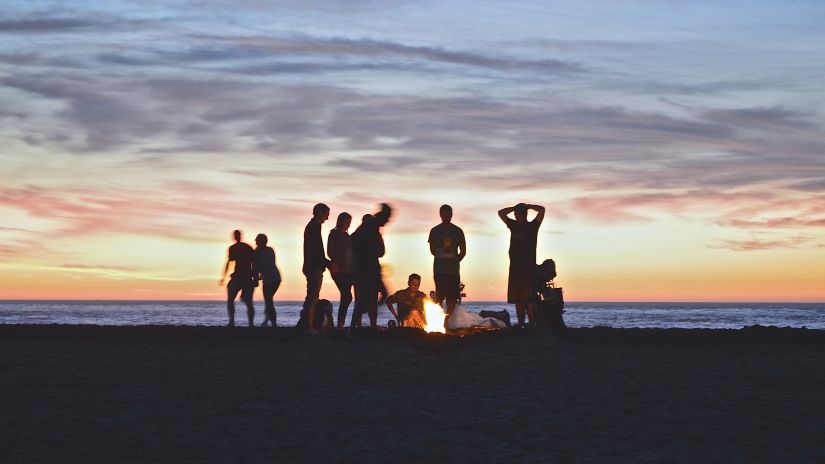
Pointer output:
x,y
448,248
241,280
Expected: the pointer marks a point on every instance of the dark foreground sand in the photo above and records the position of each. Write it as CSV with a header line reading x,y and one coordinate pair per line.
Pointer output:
x,y
198,394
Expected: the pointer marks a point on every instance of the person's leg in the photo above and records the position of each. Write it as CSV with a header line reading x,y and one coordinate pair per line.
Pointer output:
x,y
344,284
449,283
269,310
372,300
246,296
439,288
531,314
358,307
274,314
232,289
314,281
520,309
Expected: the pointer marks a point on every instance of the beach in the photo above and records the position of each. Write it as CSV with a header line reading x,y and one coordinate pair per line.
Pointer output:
x,y
209,394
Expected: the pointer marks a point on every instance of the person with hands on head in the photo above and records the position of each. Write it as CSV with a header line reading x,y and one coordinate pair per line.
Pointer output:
x,y
521,289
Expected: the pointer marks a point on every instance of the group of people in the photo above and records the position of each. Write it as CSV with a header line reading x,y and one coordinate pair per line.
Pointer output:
x,y
353,263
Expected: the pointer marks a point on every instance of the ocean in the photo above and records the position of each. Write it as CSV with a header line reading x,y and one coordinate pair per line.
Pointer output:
x,y
578,314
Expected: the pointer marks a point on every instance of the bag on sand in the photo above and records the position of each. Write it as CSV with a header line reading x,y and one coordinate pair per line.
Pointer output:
x,y
502,315
550,310
550,306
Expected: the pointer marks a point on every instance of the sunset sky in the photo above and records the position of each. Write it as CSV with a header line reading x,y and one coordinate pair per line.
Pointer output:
x,y
677,146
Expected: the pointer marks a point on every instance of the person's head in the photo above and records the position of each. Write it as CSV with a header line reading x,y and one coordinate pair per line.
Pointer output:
x,y
320,212
446,213
261,240
343,222
383,217
236,234
520,212
414,282
367,220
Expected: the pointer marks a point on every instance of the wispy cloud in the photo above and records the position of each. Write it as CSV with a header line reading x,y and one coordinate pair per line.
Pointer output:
x,y
764,244
45,25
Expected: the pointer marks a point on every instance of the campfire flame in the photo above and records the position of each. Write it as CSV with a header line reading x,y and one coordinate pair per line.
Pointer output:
x,y
434,317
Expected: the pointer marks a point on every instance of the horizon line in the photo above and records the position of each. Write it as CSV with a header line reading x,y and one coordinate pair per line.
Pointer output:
x,y
3,300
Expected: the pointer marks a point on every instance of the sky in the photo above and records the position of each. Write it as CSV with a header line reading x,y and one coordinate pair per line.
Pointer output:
x,y
677,146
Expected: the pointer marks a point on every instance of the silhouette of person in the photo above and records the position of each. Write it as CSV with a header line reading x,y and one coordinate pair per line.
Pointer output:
x,y
315,262
367,248
448,247
241,280
521,289
339,248
267,272
410,303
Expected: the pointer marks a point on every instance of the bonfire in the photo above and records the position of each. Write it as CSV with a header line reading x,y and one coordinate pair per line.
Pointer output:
x,y
433,317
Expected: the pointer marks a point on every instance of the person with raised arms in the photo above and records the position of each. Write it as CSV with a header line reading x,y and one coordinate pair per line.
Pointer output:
x,y
521,289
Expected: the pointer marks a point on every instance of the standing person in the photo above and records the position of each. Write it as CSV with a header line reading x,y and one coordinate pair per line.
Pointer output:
x,y
448,247
367,248
315,261
241,280
521,289
339,247
267,272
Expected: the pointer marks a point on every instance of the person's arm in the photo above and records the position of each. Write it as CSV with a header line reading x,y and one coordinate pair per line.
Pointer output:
x,y
462,247
389,301
502,213
256,268
432,243
225,270
320,256
334,251
540,211
381,249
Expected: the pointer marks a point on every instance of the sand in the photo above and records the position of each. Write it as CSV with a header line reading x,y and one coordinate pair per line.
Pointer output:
x,y
207,394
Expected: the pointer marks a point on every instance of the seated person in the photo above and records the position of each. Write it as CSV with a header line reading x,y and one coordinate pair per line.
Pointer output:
x,y
410,303
323,316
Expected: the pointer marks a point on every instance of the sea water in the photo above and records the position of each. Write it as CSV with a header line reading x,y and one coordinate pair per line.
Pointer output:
x,y
578,314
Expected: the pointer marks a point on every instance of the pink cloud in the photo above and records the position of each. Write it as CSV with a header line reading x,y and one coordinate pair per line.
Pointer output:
x,y
779,214
190,211
758,245
637,207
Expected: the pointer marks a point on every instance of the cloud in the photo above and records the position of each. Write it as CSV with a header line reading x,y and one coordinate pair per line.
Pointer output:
x,y
45,25
302,45
780,222
99,267
19,58
188,211
641,206
813,185
109,117
775,117
777,214
763,244
14,229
